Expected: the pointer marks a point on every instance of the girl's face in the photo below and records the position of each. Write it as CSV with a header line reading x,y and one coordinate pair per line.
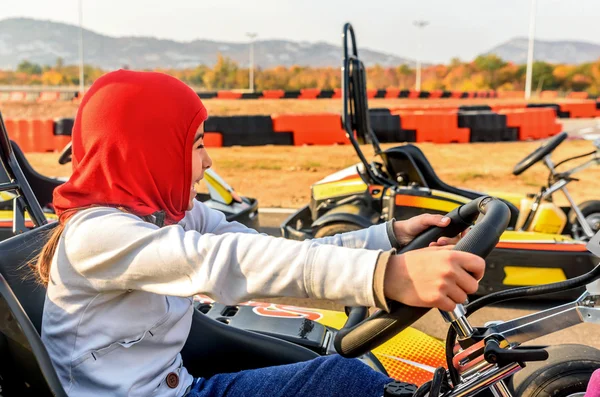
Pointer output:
x,y
200,162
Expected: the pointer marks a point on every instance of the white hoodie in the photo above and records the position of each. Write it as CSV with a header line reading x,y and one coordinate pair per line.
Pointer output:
x,y
118,309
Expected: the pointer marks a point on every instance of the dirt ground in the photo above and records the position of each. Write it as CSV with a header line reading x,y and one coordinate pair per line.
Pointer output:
x,y
280,176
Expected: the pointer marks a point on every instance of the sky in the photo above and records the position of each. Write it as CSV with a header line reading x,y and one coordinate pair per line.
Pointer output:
x,y
457,28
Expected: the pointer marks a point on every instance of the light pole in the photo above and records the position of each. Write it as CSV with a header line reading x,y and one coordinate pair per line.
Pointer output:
x,y
81,74
420,25
529,74
252,36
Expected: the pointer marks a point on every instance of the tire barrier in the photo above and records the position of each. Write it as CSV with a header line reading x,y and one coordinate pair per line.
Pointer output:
x,y
437,125
308,93
246,131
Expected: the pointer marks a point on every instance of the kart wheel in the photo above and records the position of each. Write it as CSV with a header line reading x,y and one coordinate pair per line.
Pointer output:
x,y
591,212
332,229
565,373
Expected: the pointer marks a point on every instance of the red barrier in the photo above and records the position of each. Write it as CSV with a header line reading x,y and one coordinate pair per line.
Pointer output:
x,y
17,96
213,139
578,95
413,94
392,93
229,95
583,109
337,93
435,94
312,129
48,96
437,127
549,94
456,94
43,133
371,93
60,141
309,93
533,123
273,94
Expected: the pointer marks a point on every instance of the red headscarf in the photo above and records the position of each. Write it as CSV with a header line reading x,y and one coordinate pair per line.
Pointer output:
x,y
132,145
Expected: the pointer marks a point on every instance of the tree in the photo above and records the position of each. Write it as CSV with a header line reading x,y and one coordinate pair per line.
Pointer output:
x,y
490,64
29,68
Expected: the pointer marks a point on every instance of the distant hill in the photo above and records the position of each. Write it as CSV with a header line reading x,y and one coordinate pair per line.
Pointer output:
x,y
43,42
570,52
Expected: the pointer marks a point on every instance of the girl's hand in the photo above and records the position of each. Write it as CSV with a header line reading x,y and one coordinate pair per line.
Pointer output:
x,y
405,231
433,277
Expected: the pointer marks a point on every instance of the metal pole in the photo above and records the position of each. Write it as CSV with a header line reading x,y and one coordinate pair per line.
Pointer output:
x,y
252,36
420,25
81,74
528,77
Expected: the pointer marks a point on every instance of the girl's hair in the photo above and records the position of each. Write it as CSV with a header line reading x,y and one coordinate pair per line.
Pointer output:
x,y
41,263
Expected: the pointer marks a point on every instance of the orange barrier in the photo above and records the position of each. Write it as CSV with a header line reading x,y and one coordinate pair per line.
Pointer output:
x,y
412,94
48,96
43,133
17,96
312,129
426,108
60,141
392,93
229,95
273,94
435,94
371,93
549,94
213,139
456,94
578,95
337,93
309,93
583,109
533,123
508,106
437,127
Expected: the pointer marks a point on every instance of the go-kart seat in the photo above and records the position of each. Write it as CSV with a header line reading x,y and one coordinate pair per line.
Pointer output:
x,y
433,181
212,346
41,185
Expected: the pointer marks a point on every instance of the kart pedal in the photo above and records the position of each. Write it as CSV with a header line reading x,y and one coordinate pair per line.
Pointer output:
x,y
397,388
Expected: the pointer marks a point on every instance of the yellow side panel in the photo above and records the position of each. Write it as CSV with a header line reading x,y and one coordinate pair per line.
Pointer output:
x,y
450,196
512,235
519,275
339,188
513,198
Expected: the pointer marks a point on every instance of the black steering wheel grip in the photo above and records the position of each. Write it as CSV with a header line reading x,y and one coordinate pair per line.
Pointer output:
x,y
539,153
355,339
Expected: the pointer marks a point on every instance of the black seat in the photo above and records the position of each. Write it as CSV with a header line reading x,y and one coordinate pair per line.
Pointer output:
x,y
212,346
41,185
400,156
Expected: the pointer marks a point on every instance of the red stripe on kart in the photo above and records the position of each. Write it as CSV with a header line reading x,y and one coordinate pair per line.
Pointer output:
x,y
543,247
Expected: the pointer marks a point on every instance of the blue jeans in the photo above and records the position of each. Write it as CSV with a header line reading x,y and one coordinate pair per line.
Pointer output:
x,y
323,376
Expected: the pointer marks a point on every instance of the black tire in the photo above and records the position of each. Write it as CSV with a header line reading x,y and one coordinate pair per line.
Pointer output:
x,y
566,371
588,208
331,229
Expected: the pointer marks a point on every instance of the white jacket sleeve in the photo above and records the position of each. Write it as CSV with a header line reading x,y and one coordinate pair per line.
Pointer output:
x,y
207,220
116,251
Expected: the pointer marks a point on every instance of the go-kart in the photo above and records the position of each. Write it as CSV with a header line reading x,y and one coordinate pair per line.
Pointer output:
x,y
491,359
544,243
220,196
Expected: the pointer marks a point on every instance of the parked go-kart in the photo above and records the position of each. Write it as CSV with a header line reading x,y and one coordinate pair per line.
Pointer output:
x,y
544,243
231,338
220,196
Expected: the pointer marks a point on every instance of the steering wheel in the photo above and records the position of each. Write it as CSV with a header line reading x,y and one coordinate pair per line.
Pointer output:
x,y
360,335
539,153
65,155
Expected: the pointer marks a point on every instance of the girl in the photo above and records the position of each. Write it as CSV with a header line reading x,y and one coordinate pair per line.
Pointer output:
x,y
133,246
